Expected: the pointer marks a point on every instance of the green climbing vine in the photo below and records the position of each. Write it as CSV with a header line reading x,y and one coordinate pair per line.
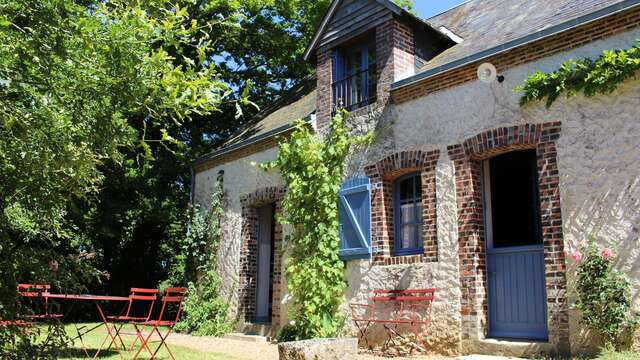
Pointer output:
x,y
205,307
591,77
312,169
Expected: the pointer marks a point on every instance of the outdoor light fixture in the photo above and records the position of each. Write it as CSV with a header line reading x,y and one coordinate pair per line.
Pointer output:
x,y
487,73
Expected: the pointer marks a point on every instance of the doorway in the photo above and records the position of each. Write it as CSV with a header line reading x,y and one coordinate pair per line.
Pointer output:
x,y
265,257
515,252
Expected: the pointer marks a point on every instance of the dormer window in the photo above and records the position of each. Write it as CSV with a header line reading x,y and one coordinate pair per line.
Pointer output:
x,y
354,75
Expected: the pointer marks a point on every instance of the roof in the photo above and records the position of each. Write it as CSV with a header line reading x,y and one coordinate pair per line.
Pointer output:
x,y
484,24
491,27
389,4
297,103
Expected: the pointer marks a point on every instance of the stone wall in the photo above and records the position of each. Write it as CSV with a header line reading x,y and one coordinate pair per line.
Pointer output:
x,y
599,181
243,180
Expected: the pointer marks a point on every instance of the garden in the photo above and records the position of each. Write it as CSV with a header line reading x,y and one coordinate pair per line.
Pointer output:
x,y
105,106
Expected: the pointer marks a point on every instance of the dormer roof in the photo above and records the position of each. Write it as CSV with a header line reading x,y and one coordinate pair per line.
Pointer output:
x,y
347,19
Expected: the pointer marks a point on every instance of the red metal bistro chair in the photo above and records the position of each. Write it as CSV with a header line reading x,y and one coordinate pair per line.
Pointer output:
x,y
413,309
134,313
171,296
41,292
23,326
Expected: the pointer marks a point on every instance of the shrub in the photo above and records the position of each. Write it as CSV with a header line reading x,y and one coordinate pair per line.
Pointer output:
x,y
288,332
205,309
603,293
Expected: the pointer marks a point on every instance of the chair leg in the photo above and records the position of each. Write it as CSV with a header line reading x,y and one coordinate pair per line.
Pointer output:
x,y
120,336
138,337
363,329
144,341
117,327
164,342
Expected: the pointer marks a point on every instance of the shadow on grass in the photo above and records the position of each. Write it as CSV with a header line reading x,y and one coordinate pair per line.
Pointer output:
x,y
73,353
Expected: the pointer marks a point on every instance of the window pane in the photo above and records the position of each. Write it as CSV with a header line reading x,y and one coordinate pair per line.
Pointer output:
x,y
406,189
408,237
407,213
418,184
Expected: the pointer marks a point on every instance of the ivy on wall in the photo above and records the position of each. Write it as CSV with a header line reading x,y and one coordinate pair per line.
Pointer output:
x,y
312,168
591,77
205,307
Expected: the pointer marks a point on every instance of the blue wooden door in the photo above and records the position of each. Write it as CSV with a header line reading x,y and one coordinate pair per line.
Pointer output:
x,y
517,294
515,253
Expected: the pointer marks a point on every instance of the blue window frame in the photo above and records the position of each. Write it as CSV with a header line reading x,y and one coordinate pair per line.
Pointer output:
x,y
408,215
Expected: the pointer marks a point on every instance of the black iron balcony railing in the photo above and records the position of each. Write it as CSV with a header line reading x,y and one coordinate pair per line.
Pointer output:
x,y
355,91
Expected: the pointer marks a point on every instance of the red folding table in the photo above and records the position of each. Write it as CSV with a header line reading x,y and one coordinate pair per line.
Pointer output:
x,y
98,300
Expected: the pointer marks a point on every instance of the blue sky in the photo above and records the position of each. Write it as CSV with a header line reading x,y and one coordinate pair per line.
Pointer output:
x,y
428,8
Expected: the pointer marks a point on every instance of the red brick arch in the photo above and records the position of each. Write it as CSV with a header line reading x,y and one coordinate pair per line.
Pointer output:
x,y
382,175
248,253
467,158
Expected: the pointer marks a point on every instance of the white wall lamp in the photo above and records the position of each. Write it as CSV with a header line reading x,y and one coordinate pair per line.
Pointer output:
x,y
487,73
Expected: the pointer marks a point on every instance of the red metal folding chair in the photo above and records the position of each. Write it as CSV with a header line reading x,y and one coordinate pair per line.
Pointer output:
x,y
39,292
171,296
135,312
23,326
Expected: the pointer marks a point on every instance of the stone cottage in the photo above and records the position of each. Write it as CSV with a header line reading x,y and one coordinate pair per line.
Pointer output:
x,y
466,191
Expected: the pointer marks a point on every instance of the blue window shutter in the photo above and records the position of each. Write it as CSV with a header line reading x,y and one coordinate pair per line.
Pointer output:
x,y
355,219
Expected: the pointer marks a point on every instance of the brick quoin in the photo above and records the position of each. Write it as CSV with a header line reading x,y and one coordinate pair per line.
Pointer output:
x,y
564,41
249,252
382,175
324,97
467,158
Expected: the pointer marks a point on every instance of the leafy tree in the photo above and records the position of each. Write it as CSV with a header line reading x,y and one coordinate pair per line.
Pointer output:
x,y
138,221
407,5
78,80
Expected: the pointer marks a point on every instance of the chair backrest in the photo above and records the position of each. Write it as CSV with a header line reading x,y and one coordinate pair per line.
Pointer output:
x,y
175,296
33,290
36,291
404,295
148,296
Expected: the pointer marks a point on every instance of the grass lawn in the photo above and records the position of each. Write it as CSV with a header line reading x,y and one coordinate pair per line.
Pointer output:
x,y
605,355
93,340
624,355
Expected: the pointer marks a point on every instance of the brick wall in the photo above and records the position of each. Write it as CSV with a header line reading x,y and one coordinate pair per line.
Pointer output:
x,y
249,253
467,158
382,175
324,97
579,36
395,50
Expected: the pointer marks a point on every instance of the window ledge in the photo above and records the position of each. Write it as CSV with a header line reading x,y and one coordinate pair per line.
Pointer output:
x,y
365,110
408,252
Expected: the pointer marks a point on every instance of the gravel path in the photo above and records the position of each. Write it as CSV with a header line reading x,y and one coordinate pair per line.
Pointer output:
x,y
246,350
235,348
